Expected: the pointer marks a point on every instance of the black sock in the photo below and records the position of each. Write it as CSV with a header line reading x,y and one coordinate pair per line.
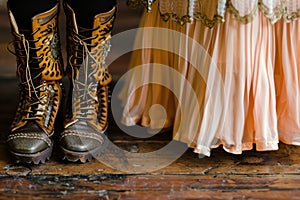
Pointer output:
x,y
24,10
85,10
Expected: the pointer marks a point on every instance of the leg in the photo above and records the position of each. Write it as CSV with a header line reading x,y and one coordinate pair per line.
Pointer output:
x,y
24,10
85,12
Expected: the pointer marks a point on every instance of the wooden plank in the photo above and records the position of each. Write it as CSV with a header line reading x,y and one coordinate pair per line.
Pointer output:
x,y
251,163
151,186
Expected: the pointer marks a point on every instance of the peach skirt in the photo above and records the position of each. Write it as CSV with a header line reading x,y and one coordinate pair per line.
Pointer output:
x,y
231,77
287,79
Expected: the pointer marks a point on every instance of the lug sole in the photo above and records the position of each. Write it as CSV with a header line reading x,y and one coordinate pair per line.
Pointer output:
x,y
82,157
36,158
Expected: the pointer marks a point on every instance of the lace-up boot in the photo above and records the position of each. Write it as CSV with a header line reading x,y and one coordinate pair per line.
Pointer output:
x,y
87,107
39,69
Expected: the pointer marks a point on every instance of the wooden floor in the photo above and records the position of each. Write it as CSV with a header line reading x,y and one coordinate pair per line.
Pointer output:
x,y
253,175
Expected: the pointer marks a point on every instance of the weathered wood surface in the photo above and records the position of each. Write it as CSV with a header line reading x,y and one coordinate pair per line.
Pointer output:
x,y
253,175
150,187
220,163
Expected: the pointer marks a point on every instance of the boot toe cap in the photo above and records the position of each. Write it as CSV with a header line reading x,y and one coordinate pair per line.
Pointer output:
x,y
80,143
27,146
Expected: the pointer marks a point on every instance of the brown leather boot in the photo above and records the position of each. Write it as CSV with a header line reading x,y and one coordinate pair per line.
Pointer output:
x,y
39,69
87,105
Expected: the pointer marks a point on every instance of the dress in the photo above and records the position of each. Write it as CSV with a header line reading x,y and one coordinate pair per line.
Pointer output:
x,y
241,100
287,77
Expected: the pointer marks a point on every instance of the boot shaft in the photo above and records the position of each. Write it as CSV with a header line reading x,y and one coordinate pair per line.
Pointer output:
x,y
95,40
38,48
39,69
86,53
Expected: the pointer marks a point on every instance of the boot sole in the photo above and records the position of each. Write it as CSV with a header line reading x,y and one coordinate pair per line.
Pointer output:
x,y
36,158
83,157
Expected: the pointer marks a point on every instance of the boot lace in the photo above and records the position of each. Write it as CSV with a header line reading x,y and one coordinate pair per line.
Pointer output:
x,y
26,54
87,80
